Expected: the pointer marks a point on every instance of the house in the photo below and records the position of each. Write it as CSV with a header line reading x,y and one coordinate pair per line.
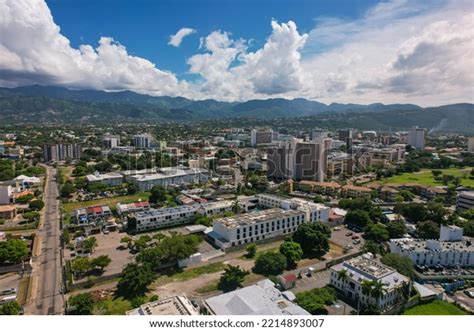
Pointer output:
x,y
126,208
287,281
91,214
352,191
7,212
27,182
6,195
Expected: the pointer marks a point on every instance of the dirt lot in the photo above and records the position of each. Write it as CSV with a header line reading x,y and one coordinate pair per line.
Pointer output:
x,y
109,244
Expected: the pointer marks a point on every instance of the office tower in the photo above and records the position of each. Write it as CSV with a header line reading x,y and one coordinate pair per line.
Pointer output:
x,y
319,134
416,138
470,145
258,137
141,140
110,141
61,152
343,134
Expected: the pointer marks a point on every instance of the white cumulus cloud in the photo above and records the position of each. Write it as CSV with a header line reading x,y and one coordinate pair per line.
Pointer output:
x,y
177,38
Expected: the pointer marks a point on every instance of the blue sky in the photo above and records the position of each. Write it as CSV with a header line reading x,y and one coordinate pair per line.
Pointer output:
x,y
144,26
390,51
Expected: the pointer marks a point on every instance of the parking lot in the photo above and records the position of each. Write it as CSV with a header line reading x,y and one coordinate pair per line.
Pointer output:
x,y
462,298
10,280
342,239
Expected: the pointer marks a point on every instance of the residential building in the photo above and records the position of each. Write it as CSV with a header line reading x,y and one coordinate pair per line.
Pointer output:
x,y
465,200
259,299
7,212
164,217
314,212
216,208
366,268
416,138
87,215
170,176
177,305
61,152
142,140
450,250
126,208
352,191
255,226
260,137
326,188
6,195
344,134
109,179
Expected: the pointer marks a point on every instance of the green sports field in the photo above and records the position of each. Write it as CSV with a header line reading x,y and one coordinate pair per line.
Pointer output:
x,y
426,177
436,307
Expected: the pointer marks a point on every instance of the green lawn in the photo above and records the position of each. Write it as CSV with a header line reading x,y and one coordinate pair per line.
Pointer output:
x,y
187,274
426,177
112,306
111,202
436,307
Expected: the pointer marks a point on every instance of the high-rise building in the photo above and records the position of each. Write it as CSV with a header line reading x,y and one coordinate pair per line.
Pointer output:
x,y
258,137
470,144
343,134
416,138
61,152
110,141
142,140
319,134
298,160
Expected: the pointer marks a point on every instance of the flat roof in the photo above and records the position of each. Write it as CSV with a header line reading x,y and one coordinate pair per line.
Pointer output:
x,y
257,217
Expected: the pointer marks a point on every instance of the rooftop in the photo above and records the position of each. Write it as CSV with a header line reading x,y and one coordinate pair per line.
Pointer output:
x,y
177,305
257,217
259,299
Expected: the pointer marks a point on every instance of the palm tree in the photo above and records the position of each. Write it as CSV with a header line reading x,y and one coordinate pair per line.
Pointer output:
x,y
379,289
343,276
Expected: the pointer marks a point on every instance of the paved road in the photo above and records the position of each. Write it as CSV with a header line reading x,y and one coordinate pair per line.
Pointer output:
x,y
47,266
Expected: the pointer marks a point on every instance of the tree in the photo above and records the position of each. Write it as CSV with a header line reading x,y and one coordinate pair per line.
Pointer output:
x,y
10,308
90,244
127,241
318,199
373,247
415,212
202,220
376,232
379,289
232,278
292,251
158,194
67,190
436,212
359,218
151,257
427,230
313,238
13,251
436,173
80,265
402,264
81,304
36,205
135,280
270,263
315,301
396,229
132,189
101,262
251,250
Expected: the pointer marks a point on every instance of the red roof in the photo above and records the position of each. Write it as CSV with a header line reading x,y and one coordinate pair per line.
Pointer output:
x,y
290,278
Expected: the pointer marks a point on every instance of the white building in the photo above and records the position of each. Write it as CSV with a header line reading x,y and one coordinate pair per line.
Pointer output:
x,y
314,212
416,138
170,176
450,233
6,194
259,299
450,250
110,141
366,268
177,305
465,200
255,226
109,179
216,208
164,217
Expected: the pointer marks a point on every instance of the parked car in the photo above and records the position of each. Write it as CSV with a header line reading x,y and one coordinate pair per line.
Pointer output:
x,y
469,293
337,228
355,237
348,234
8,291
356,241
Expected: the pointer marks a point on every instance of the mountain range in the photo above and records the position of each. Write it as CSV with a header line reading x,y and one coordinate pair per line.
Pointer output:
x,y
51,104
